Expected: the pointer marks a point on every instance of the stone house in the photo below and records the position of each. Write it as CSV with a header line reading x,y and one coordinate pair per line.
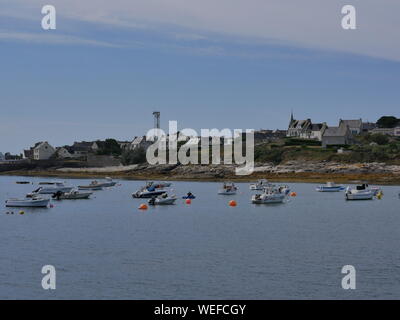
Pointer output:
x,y
43,151
341,135
355,126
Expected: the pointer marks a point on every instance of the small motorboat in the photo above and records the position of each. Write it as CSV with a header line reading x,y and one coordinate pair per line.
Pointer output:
x,y
361,192
35,202
148,193
158,184
260,185
228,188
51,189
330,187
162,200
189,196
270,195
98,184
73,195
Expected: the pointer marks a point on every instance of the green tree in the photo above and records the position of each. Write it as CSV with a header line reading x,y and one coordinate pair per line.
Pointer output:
x,y
380,139
109,147
136,156
387,122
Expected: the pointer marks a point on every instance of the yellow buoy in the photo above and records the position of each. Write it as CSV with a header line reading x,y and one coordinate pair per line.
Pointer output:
x,y
21,212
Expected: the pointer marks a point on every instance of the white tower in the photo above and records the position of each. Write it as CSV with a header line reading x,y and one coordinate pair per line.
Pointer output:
x,y
156,115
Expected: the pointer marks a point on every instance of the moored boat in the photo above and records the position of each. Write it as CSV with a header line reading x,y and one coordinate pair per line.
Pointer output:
x,y
270,195
228,188
73,195
330,187
146,193
361,192
51,189
260,185
28,202
163,199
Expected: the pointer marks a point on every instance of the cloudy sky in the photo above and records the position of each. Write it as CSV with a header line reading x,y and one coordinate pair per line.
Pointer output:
x,y
226,63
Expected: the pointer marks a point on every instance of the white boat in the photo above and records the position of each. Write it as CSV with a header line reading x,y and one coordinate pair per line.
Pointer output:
x,y
228,188
270,195
98,185
28,202
162,200
260,185
362,192
51,189
159,184
146,193
330,187
73,195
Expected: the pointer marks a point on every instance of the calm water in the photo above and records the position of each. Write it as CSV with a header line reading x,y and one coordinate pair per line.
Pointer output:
x,y
105,248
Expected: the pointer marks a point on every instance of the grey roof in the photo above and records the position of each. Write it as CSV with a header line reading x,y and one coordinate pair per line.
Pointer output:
x,y
352,123
317,126
336,131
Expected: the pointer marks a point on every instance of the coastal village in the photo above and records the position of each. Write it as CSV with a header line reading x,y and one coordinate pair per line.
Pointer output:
x,y
303,140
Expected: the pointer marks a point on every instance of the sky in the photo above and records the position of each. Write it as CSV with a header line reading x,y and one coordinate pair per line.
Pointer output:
x,y
207,64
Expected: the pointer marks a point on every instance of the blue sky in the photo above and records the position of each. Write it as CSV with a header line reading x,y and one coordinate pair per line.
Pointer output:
x,y
101,75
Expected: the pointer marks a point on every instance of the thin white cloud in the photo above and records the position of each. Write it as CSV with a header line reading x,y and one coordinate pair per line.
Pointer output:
x,y
52,39
305,23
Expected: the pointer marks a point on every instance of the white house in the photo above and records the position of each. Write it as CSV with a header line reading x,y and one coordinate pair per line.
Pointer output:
x,y
43,151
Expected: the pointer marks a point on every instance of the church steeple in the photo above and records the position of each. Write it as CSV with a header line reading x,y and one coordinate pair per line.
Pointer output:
x,y
291,117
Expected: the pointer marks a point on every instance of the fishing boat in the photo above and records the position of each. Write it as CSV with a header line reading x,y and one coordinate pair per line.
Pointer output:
x,y
228,188
260,185
36,202
361,192
270,195
73,195
51,189
91,188
162,200
330,187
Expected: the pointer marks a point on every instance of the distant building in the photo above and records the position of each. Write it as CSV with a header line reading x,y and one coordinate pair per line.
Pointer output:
x,y
140,142
43,151
355,126
305,129
368,126
394,132
299,128
341,135
2,158
63,153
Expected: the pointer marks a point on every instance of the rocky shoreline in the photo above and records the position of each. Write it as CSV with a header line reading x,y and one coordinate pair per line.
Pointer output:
x,y
291,171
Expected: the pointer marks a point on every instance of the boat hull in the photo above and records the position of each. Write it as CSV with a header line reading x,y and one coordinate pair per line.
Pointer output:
x,y
40,203
270,199
162,202
329,189
363,196
78,196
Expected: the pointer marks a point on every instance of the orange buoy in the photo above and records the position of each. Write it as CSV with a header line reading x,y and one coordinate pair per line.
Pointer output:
x,y
143,206
232,203
293,194
188,201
